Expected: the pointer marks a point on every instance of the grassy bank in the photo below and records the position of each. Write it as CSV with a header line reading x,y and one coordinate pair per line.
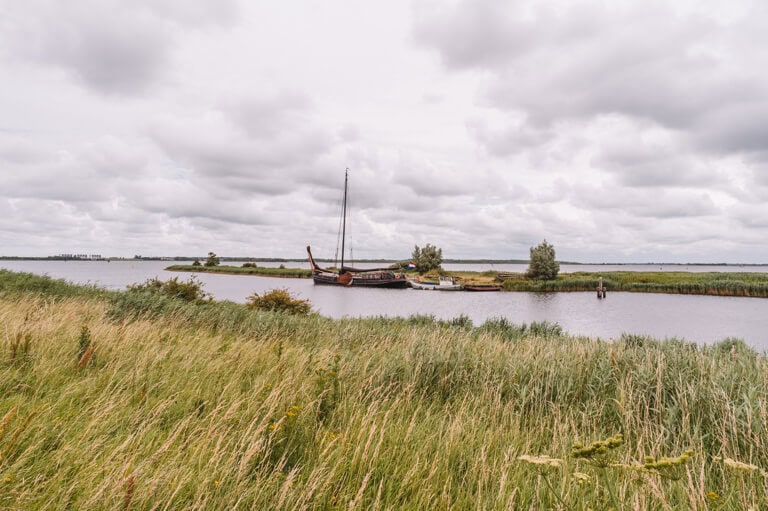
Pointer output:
x,y
704,283
698,283
137,401
694,283
247,270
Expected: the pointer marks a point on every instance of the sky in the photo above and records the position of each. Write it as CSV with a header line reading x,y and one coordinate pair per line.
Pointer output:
x,y
619,131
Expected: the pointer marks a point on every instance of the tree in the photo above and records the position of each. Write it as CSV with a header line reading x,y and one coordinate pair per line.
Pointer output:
x,y
427,258
543,265
212,260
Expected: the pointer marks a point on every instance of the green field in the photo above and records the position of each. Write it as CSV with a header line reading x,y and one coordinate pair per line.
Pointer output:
x,y
135,400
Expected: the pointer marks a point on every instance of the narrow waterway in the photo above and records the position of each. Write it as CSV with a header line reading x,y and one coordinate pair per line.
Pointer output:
x,y
702,319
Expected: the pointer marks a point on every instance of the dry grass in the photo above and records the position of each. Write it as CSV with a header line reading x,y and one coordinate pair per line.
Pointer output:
x,y
277,412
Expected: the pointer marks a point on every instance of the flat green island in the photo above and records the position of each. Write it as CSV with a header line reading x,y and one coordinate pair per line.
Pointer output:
x,y
299,273
136,400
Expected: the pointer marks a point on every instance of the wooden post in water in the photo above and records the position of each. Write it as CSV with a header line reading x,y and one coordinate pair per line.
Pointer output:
x,y
600,289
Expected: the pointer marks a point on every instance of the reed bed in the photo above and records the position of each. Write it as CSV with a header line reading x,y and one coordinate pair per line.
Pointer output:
x,y
215,406
700,283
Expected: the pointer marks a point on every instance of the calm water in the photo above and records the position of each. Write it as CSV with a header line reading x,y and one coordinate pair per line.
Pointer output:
x,y
704,319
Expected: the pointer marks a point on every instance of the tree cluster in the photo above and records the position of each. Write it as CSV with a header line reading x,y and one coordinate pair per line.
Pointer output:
x,y
427,258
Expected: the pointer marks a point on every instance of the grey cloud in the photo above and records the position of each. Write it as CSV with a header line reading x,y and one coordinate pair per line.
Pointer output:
x,y
262,148
643,60
736,127
110,47
19,150
89,173
637,164
269,117
644,202
508,140
194,12
113,47
429,182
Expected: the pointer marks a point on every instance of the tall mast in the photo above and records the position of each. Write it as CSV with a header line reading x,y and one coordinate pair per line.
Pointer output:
x,y
344,222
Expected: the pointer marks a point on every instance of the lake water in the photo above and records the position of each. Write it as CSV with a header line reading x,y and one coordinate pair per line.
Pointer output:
x,y
703,319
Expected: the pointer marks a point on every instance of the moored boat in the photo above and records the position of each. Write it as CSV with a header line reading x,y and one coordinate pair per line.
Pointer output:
x,y
448,284
444,284
481,287
415,284
352,277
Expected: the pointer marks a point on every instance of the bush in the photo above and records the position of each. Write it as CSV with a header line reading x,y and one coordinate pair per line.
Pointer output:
x,y
212,260
279,300
190,291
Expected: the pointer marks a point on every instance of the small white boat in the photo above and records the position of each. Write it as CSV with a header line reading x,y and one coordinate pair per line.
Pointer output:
x,y
415,284
448,284
445,284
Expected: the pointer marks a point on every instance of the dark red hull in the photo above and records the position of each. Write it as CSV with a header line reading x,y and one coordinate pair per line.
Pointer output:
x,y
469,287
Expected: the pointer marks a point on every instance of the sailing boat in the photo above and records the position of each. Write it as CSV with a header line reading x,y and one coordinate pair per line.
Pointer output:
x,y
348,276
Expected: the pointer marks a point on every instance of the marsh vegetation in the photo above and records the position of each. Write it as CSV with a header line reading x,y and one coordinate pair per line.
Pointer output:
x,y
204,405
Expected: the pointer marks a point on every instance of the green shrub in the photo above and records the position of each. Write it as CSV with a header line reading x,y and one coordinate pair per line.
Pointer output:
x,y
190,291
212,259
279,300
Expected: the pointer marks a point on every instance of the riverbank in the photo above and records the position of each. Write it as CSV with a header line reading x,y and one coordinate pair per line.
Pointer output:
x,y
744,284
134,400
693,283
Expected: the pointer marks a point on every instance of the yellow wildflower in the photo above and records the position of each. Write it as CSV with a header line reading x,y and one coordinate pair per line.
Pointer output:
x,y
599,453
581,477
739,465
713,496
216,483
542,461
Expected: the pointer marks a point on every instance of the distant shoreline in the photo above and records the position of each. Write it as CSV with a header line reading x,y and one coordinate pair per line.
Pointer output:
x,y
302,260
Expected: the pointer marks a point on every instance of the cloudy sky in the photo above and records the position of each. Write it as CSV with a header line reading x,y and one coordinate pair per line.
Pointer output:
x,y
621,131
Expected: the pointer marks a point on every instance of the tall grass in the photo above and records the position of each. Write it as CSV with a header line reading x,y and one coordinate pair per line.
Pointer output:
x,y
215,406
14,283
